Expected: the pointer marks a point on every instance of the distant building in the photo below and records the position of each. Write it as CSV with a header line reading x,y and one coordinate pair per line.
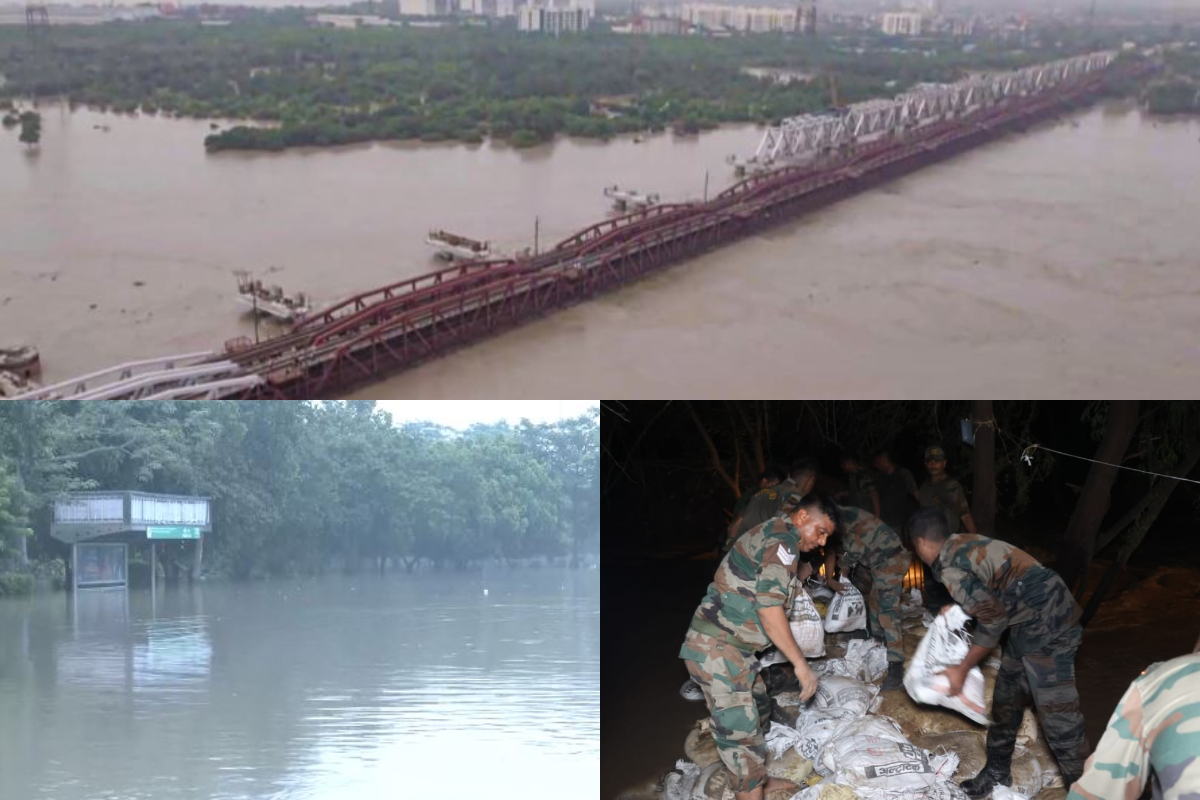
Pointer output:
x,y
902,24
658,26
351,21
495,9
425,8
963,27
554,21
748,20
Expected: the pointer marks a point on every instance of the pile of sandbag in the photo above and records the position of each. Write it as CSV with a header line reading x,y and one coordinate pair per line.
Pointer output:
x,y
872,756
944,646
865,659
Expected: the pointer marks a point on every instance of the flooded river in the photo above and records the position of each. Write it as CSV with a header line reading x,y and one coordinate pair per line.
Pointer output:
x,y
407,686
1062,262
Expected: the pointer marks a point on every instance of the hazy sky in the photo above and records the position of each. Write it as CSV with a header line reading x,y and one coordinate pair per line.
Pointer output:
x,y
461,414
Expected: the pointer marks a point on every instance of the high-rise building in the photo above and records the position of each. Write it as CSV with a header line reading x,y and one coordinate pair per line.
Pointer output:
x,y
555,21
902,24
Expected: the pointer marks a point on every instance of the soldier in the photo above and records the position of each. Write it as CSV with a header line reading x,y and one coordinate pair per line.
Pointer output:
x,y
895,485
767,503
744,611
862,492
770,477
1154,734
944,493
1006,588
871,544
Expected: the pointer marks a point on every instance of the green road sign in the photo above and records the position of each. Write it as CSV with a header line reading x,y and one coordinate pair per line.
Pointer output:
x,y
171,532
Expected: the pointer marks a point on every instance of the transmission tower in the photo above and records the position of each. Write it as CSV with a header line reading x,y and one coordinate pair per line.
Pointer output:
x,y
37,22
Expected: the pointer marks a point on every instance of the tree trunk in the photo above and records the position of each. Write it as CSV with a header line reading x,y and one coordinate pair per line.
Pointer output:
x,y
983,504
1156,499
712,449
1079,541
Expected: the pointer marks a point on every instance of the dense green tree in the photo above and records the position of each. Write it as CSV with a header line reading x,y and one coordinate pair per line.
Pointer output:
x,y
300,488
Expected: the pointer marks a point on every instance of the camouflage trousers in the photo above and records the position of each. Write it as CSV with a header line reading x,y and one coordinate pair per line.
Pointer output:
x,y
883,607
1047,676
737,698
882,588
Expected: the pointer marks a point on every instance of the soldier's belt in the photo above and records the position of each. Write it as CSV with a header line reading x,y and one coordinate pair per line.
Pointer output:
x,y
709,629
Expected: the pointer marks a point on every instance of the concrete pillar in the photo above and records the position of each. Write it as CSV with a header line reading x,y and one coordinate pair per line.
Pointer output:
x,y
197,556
153,567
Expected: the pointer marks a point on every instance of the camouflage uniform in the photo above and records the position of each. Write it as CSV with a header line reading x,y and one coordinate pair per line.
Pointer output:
x,y
726,633
1003,587
861,486
768,503
948,495
869,542
1152,734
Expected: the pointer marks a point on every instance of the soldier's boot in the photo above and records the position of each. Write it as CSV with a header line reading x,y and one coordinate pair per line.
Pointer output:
x,y
992,774
1069,779
895,676
860,634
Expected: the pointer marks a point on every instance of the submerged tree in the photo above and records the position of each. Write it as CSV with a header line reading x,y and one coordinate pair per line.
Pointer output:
x,y
31,128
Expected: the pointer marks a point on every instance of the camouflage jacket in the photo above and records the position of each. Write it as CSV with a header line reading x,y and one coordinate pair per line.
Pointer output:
x,y
759,572
1002,587
767,504
1155,732
861,487
948,495
868,540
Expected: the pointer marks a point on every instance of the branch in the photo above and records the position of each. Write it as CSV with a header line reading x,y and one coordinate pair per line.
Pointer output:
x,y
712,448
76,456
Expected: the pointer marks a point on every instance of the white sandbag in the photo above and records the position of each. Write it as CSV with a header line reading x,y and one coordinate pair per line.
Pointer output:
x,y
817,726
868,657
847,611
836,691
681,783
806,626
1000,792
873,754
944,646
818,590
691,690
781,738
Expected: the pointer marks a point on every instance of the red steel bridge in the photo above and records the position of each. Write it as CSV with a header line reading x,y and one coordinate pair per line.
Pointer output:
x,y
385,330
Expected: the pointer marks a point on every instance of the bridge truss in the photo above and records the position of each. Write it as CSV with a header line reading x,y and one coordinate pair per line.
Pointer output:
x,y
804,137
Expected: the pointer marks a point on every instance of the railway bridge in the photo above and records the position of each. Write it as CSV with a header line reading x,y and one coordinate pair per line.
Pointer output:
x,y
805,163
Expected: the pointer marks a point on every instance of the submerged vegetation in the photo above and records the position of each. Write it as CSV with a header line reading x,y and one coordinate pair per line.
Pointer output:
x,y
327,87
1179,91
300,488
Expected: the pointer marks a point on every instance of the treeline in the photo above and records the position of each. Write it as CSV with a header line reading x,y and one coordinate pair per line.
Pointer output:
x,y
1179,93
325,87
300,488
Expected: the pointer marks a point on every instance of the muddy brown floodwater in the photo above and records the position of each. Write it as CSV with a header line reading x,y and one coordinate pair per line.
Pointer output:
x,y
1062,262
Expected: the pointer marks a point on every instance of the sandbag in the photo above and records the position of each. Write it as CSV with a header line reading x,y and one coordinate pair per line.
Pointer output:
x,y
818,590
1001,792
817,726
944,646
969,745
806,626
873,754
847,611
836,691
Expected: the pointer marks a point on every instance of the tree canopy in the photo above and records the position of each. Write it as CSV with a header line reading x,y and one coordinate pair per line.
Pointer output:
x,y
299,488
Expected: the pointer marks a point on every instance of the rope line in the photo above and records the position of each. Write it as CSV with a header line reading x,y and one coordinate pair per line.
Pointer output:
x,y
1027,454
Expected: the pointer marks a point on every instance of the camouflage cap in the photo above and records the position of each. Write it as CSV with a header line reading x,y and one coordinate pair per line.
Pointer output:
x,y
935,453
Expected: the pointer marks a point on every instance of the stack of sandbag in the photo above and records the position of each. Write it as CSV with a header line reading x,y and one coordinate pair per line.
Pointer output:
x,y
847,611
1034,769
865,659
838,702
944,646
873,757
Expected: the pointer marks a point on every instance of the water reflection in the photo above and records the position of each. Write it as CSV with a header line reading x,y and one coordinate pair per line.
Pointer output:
x,y
328,689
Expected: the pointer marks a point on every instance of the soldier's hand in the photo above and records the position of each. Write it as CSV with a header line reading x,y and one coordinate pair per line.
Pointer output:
x,y
808,681
956,676
837,585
